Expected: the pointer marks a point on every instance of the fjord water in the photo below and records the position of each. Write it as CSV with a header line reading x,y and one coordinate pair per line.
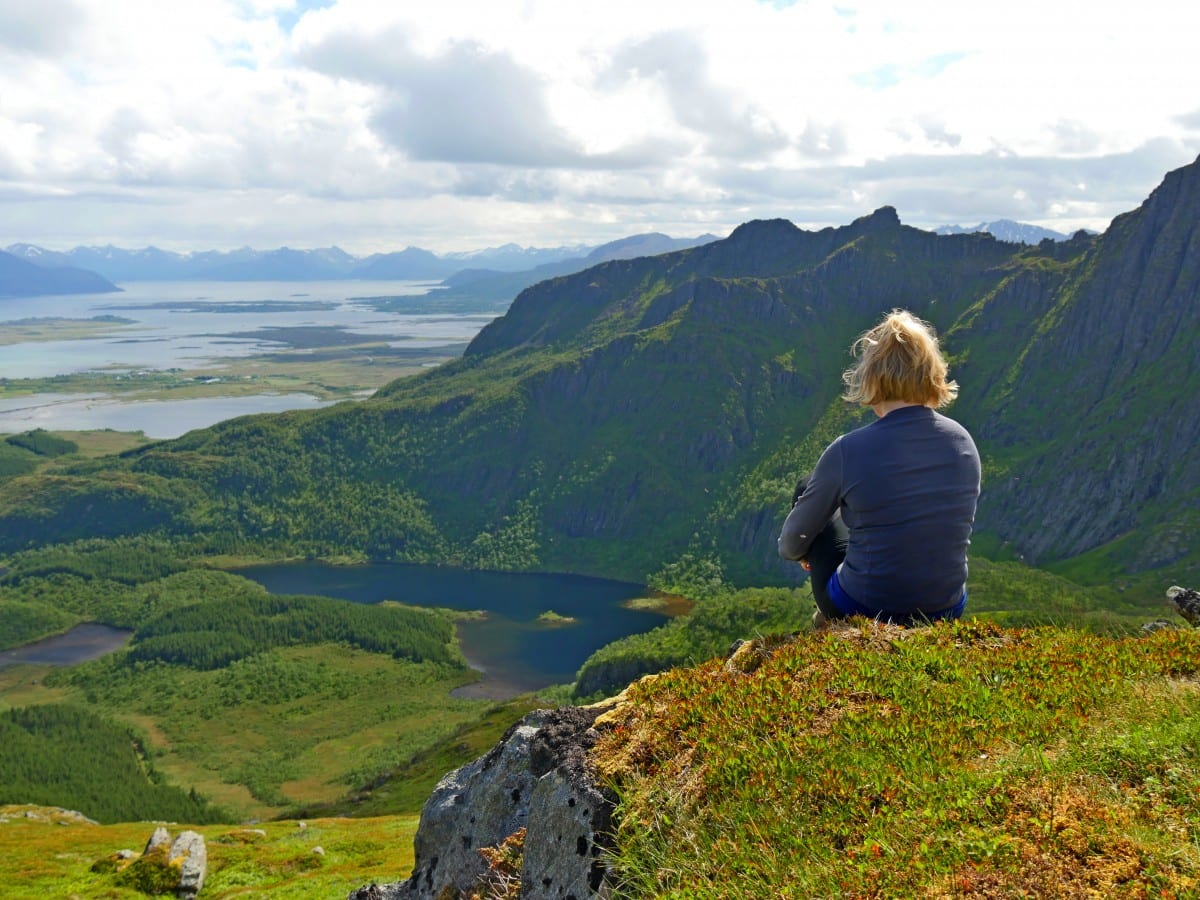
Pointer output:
x,y
510,645
189,323
193,325
154,418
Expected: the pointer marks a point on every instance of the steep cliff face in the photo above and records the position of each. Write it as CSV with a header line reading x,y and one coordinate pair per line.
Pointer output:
x,y
1106,397
1077,362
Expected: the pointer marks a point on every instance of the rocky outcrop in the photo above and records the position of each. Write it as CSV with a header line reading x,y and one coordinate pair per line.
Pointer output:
x,y
1115,356
160,840
1186,603
190,854
538,781
165,866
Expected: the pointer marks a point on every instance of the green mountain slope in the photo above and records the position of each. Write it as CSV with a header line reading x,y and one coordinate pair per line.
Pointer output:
x,y
1097,413
617,418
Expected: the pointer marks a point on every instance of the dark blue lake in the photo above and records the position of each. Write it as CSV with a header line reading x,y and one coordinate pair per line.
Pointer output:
x,y
514,650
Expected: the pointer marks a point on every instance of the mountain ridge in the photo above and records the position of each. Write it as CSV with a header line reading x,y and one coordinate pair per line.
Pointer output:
x,y
619,417
647,412
19,278
288,264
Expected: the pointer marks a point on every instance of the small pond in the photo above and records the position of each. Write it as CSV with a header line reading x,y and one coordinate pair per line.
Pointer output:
x,y
515,650
83,642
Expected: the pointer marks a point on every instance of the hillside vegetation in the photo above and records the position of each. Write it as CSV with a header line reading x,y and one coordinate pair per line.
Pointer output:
x,y
61,755
255,702
962,760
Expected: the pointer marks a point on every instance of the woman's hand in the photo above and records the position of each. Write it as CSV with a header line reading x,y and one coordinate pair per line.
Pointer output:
x,y
805,564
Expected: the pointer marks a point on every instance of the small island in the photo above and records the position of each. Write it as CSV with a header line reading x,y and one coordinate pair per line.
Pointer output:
x,y
670,605
550,617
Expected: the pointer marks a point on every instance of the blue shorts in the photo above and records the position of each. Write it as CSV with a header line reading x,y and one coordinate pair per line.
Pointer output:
x,y
848,606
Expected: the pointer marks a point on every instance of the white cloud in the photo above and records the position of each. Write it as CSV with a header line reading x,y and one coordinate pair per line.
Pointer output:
x,y
466,104
44,28
676,62
470,122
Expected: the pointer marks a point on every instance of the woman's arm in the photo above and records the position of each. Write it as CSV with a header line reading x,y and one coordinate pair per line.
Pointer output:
x,y
815,507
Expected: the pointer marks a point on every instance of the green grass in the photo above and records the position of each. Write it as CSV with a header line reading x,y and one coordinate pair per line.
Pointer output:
x,y
291,727
1013,593
52,855
405,788
962,760
706,631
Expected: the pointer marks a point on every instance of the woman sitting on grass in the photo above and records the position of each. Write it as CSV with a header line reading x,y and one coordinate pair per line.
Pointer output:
x,y
884,520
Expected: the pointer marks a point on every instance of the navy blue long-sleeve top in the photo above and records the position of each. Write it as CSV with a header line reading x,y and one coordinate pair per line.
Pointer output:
x,y
906,485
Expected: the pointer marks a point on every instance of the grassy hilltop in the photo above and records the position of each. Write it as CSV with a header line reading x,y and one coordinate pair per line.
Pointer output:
x,y
956,761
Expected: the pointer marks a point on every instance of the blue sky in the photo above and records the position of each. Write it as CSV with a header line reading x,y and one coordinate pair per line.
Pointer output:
x,y
463,124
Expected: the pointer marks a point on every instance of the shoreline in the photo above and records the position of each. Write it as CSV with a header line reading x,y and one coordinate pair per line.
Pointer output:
x,y
487,687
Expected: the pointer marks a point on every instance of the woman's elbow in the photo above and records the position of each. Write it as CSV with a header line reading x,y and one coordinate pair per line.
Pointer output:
x,y
792,547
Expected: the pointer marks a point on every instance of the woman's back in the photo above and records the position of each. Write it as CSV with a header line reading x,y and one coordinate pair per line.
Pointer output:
x,y
884,520
909,483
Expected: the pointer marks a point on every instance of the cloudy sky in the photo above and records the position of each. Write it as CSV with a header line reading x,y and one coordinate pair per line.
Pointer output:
x,y
455,125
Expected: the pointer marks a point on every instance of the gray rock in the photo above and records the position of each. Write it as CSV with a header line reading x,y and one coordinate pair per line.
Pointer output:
x,y
565,852
160,838
476,806
1159,625
1186,603
536,778
190,852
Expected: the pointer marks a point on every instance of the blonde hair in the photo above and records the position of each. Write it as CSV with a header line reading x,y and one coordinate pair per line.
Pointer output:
x,y
899,359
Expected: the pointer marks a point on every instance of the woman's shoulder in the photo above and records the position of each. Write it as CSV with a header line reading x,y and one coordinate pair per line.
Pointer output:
x,y
948,424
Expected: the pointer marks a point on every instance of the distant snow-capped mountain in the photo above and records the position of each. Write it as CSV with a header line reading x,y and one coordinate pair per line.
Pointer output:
x,y
1007,230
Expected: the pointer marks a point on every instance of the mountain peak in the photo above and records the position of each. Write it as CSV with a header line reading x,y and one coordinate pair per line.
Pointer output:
x,y
759,228
883,219
1179,187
